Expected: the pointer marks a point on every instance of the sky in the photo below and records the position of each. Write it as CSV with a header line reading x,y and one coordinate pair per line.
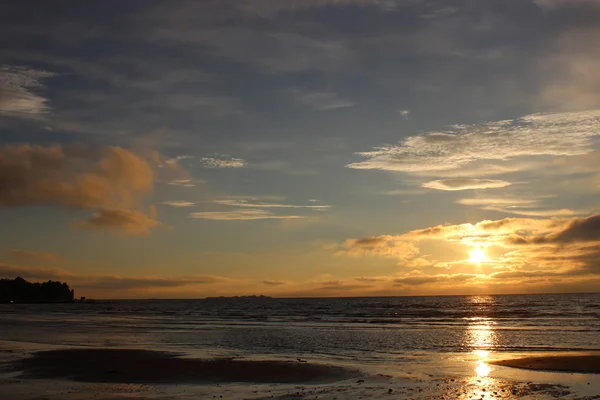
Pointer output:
x,y
301,148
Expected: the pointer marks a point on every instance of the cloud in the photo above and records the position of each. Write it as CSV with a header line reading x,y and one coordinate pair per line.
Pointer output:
x,y
323,101
576,230
121,282
132,222
572,71
524,250
222,162
404,192
499,202
18,97
77,177
425,279
564,212
240,215
269,7
112,181
558,134
554,4
273,283
184,182
34,255
384,245
465,184
12,271
91,281
520,206
178,203
261,204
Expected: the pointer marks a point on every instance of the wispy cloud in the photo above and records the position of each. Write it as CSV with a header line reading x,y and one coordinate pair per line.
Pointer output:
x,y
18,97
404,114
129,222
553,4
223,162
116,282
273,283
240,215
178,203
384,245
465,184
261,204
185,182
572,71
404,192
563,212
323,101
499,202
43,273
34,255
560,134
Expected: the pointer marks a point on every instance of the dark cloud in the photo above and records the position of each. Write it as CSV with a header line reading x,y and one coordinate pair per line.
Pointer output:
x,y
580,230
577,230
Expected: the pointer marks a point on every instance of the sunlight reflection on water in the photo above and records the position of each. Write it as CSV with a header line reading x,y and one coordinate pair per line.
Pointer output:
x,y
481,336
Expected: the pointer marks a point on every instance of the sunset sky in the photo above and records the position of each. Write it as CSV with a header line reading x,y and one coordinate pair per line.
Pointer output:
x,y
301,147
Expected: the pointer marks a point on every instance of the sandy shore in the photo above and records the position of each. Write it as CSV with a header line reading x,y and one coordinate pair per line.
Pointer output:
x,y
583,364
141,366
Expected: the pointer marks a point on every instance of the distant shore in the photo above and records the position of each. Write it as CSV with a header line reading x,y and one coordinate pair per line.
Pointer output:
x,y
589,364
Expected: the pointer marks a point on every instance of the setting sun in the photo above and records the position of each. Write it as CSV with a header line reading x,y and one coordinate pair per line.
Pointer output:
x,y
477,255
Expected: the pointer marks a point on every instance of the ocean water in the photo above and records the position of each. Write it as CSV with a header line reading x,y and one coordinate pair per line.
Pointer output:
x,y
370,330
419,347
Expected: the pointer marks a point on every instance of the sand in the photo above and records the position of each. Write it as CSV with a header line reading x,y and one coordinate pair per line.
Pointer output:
x,y
110,374
583,364
142,366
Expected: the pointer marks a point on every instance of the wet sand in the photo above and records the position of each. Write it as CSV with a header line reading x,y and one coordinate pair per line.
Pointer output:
x,y
583,364
141,366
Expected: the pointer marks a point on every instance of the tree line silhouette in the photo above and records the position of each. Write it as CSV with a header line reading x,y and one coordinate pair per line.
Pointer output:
x,y
19,290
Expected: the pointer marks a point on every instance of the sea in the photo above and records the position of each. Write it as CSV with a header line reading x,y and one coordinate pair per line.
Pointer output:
x,y
423,338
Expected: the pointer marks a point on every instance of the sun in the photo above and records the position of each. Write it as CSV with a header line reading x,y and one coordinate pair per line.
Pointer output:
x,y
477,255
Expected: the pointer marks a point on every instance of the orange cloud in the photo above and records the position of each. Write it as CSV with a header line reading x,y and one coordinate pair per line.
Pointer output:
x,y
525,250
109,180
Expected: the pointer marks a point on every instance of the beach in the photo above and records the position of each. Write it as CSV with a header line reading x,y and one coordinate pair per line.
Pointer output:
x,y
124,373
159,350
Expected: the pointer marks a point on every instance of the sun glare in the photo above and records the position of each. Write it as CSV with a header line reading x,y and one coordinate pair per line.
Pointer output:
x,y
477,255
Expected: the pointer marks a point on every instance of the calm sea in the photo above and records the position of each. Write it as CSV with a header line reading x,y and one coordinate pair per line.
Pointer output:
x,y
371,330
